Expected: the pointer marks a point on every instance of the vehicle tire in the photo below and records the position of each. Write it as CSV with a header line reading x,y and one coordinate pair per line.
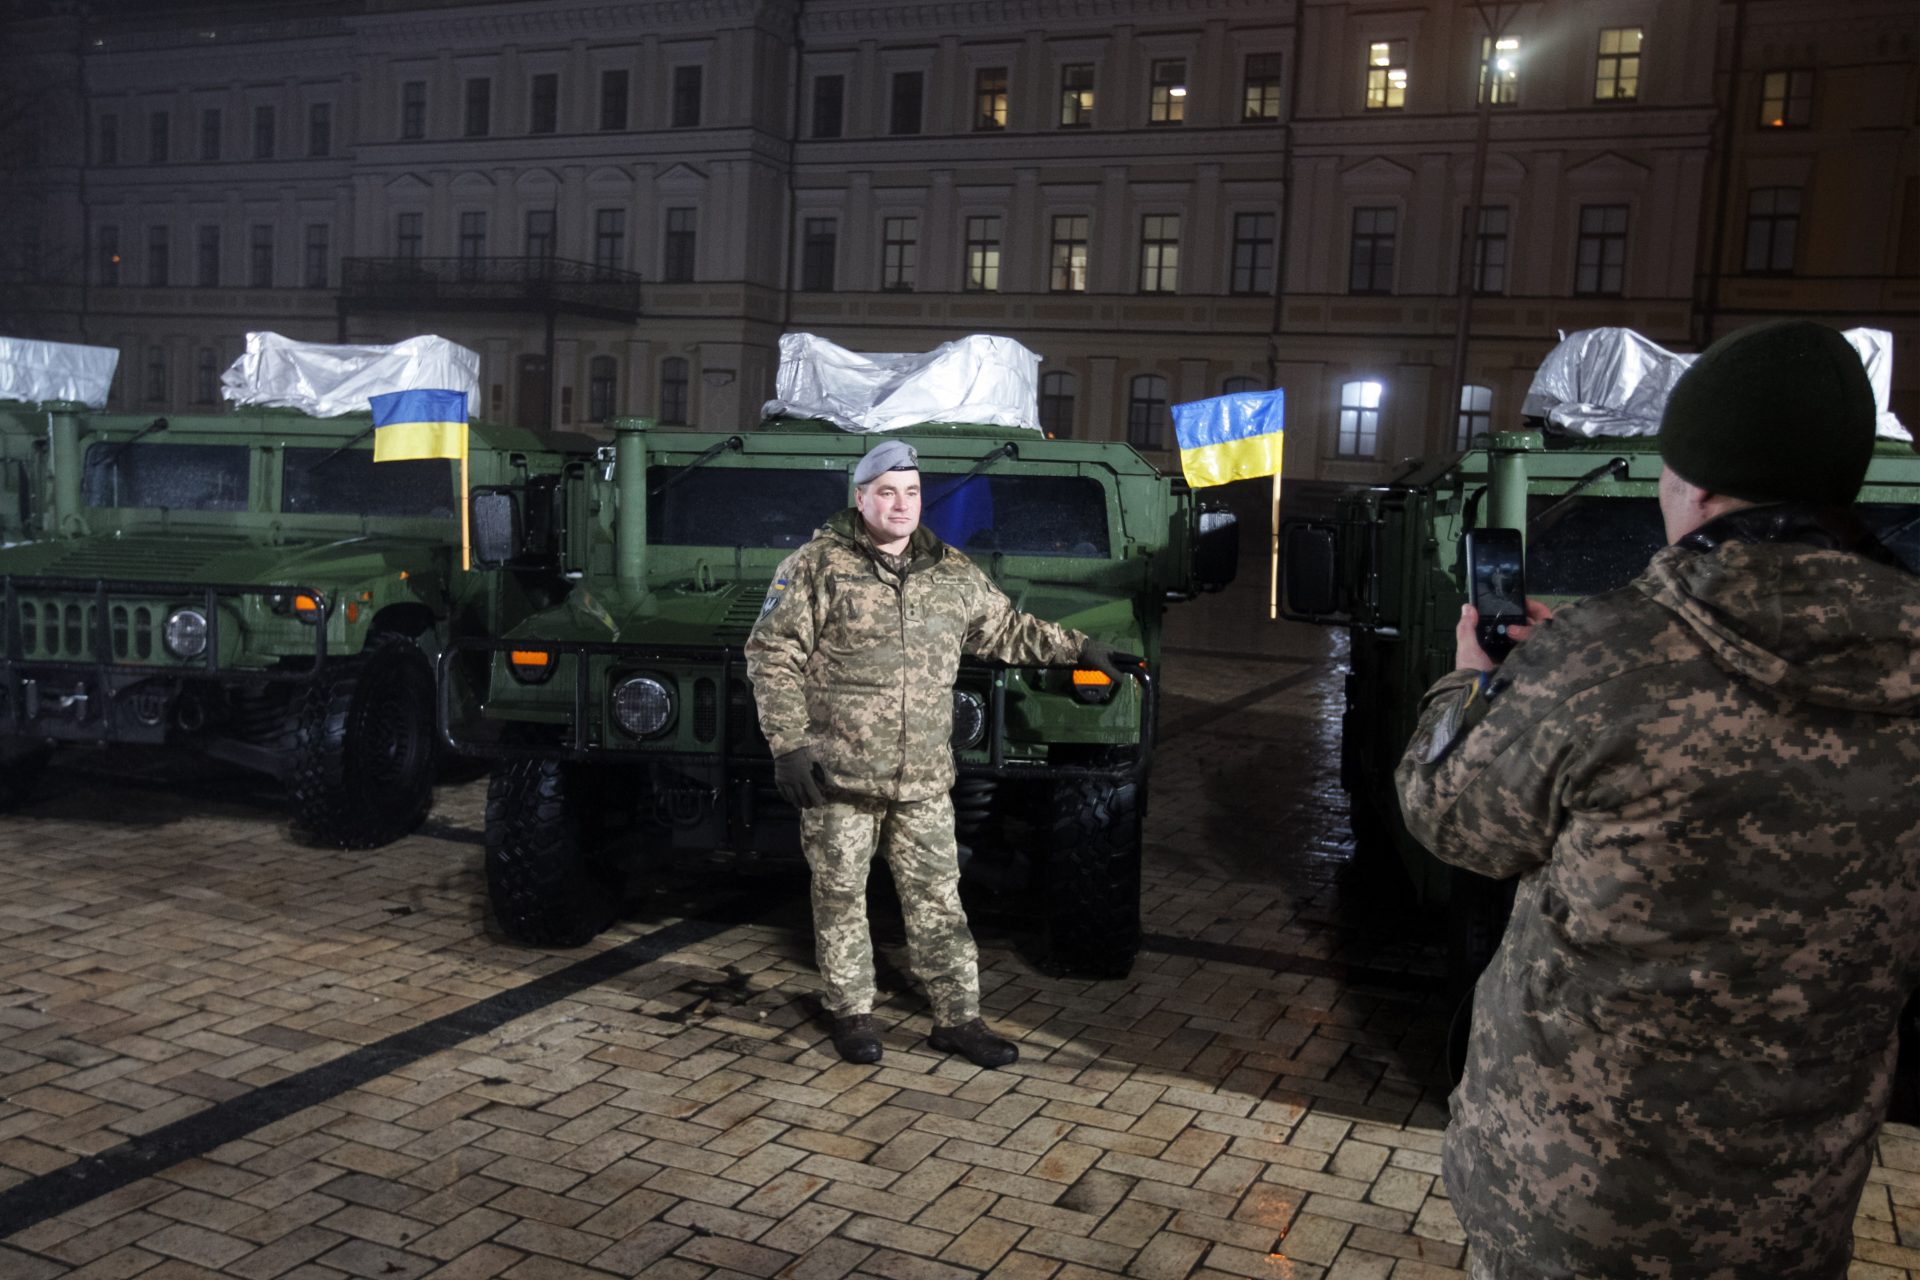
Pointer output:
x,y
21,765
546,886
1090,878
365,747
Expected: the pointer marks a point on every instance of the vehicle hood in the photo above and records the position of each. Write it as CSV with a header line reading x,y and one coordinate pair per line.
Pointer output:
x,y
218,560
1823,626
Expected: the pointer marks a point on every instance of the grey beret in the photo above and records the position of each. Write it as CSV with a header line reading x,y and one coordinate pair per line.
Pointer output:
x,y
888,455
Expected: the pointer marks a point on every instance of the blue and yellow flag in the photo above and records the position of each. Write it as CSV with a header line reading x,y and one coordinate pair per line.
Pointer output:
x,y
1230,437
419,424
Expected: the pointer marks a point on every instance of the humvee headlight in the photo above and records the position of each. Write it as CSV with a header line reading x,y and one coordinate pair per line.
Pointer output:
x,y
969,720
642,706
186,633
531,666
1091,687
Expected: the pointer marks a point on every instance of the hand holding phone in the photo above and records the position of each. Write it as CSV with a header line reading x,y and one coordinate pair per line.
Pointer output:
x,y
1497,588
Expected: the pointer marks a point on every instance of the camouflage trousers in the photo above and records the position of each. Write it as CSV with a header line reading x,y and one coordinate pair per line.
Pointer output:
x,y
1484,1263
839,838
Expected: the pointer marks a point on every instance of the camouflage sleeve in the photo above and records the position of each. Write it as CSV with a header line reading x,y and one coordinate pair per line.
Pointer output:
x,y
1000,632
777,651
1483,781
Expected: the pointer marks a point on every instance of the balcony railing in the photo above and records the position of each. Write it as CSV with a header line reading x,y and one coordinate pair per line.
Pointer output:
x,y
489,283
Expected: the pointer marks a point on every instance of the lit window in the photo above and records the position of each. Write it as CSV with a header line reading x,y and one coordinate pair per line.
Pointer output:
x,y
1359,419
1786,99
899,253
1476,415
1069,269
990,98
1387,75
983,254
1076,95
1500,69
1160,253
1260,90
1167,102
1616,74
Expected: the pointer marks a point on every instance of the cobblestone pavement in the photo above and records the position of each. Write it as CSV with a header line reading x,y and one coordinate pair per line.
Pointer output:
x,y
223,1054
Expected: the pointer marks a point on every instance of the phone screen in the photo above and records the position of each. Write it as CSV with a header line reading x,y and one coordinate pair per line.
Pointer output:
x,y
1496,583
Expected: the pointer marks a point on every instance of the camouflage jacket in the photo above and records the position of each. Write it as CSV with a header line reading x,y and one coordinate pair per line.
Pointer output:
x,y
857,661
1684,1045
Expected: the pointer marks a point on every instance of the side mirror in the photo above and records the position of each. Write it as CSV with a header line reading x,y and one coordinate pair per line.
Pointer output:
x,y
1311,558
496,528
1216,547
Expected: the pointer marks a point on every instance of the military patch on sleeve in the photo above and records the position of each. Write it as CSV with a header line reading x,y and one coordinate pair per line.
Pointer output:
x,y
1460,715
773,596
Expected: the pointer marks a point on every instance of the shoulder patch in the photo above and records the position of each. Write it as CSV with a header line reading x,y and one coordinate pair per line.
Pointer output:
x,y
773,596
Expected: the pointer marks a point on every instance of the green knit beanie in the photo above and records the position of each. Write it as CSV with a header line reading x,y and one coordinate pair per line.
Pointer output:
x,y
1780,412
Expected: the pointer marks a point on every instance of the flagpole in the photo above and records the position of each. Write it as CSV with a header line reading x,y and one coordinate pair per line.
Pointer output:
x,y
466,516
1273,556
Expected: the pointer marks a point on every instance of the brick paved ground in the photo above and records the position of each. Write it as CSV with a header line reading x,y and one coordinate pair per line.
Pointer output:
x,y
1257,1099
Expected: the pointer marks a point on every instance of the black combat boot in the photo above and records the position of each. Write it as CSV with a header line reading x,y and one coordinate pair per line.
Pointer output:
x,y
856,1039
972,1041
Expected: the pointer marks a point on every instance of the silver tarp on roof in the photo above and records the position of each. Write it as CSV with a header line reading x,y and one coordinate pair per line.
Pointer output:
x,y
327,381
981,378
40,371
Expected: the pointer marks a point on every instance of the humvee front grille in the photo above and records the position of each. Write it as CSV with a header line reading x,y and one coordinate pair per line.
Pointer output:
x,y
744,611
64,630
706,711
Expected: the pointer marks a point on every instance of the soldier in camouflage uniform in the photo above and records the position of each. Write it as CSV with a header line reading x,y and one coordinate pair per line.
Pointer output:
x,y
1682,1050
853,661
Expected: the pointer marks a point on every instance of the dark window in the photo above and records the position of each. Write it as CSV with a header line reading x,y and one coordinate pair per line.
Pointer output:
x,y
610,239
206,377
1490,251
543,103
179,477
899,253
315,267
156,389
1260,91
260,256
320,129
1160,253
159,131
1069,267
613,100
263,133
1056,404
1370,263
473,243
1359,419
1167,96
210,134
108,241
903,114
539,239
820,241
159,243
1601,261
348,482
479,118
109,139
407,235
1616,73
1500,70
1239,383
1476,415
1591,544
1147,412
829,104
673,391
413,109
686,97
1253,252
983,254
1076,95
676,262
990,98
721,506
1017,515
1786,99
206,259
1387,75
1773,227
601,376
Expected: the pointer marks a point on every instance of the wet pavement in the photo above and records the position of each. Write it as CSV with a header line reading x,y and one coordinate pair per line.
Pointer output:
x,y
225,1054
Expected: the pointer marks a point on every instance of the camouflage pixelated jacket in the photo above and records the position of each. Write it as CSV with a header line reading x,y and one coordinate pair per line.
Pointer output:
x,y
857,661
1705,782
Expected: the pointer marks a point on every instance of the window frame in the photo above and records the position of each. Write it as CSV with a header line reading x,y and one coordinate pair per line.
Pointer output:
x,y
260,257
266,129
1384,58
603,387
1379,267
827,112
1167,92
159,256
1075,235
982,253
819,254
1056,406
1601,239
676,385
990,99
1159,253
1357,426
686,106
1795,87
1147,416
679,244
899,254
609,238
322,244
1077,100
1253,254
476,117
1504,81
1772,222
212,126
543,103
159,137
1260,92
1471,416
614,110
206,256
319,130
1485,239
897,104
409,233
413,110
1610,65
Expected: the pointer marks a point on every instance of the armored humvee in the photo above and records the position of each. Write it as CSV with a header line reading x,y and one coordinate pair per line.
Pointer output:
x,y
252,586
627,705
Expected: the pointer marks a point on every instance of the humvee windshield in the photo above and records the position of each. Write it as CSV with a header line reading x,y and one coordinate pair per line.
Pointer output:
x,y
738,507
179,477
1018,515
351,483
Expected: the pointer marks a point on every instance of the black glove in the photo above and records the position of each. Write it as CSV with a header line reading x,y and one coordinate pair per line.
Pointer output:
x,y
1109,662
798,778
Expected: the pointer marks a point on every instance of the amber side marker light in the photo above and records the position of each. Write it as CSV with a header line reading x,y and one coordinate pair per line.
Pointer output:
x,y
1091,688
530,666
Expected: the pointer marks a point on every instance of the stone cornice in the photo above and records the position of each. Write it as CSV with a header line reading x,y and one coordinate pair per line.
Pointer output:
x,y
949,16
479,24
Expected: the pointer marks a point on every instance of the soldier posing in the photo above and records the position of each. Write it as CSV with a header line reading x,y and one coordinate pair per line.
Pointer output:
x,y
1682,1050
852,663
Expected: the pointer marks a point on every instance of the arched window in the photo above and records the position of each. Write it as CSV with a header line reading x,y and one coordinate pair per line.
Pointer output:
x,y
1238,383
601,372
673,391
1476,415
1359,419
1147,412
206,381
1056,405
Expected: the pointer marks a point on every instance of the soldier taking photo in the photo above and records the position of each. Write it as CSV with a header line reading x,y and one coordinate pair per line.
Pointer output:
x,y
1684,1046
852,662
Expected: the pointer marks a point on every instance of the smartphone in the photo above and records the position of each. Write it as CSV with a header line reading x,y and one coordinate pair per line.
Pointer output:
x,y
1497,585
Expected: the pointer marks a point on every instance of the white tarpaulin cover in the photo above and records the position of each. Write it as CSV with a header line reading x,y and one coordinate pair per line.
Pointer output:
x,y
1613,382
981,378
37,371
327,381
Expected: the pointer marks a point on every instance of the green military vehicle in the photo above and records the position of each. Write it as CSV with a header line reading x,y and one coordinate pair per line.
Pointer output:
x,y
627,707
1388,567
252,586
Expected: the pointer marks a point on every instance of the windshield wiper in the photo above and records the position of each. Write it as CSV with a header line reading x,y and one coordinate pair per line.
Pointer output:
x,y
115,450
1615,467
731,442
321,462
1007,450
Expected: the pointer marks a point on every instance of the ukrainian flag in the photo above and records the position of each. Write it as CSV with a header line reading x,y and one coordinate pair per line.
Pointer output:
x,y
1231,437
419,424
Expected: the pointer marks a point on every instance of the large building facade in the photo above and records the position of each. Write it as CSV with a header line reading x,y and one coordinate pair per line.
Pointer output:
x,y
623,205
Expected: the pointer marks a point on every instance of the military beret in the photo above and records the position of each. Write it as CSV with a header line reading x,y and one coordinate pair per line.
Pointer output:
x,y
888,455
1779,412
